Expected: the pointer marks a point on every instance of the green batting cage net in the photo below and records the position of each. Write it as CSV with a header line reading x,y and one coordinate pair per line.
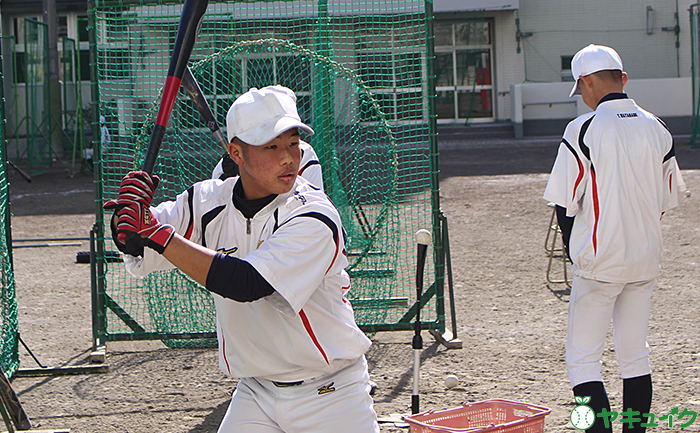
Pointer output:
x,y
9,356
695,69
361,72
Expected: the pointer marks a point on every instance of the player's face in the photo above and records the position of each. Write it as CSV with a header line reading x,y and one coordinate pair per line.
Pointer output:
x,y
269,169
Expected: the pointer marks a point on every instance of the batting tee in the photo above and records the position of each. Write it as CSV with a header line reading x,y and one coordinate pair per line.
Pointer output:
x,y
362,74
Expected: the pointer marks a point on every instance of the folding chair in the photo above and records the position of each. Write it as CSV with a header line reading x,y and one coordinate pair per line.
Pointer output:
x,y
554,252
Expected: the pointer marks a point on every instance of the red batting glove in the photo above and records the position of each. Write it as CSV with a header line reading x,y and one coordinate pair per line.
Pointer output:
x,y
136,186
137,227
136,191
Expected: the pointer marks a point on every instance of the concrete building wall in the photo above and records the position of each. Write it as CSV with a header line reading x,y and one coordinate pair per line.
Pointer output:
x,y
558,28
545,108
508,63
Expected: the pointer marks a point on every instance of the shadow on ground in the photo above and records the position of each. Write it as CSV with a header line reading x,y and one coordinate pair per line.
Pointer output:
x,y
56,193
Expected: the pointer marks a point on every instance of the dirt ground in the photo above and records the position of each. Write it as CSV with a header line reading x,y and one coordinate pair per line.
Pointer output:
x,y
511,321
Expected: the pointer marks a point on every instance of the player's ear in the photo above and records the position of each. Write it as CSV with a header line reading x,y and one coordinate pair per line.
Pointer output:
x,y
586,80
624,78
235,151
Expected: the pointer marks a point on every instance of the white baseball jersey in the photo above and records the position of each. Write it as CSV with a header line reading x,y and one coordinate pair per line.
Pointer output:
x,y
616,173
309,167
306,328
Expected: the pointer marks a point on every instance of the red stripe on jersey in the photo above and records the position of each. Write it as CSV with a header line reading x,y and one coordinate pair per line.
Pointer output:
x,y
307,325
670,182
189,231
578,179
223,352
595,212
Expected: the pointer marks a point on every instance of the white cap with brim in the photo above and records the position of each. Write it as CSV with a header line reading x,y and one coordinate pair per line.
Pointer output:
x,y
592,59
258,116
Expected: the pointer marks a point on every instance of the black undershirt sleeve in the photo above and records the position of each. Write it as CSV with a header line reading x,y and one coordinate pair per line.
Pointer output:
x,y
236,279
565,224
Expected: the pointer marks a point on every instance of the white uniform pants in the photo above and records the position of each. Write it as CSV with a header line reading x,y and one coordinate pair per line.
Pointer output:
x,y
260,406
591,307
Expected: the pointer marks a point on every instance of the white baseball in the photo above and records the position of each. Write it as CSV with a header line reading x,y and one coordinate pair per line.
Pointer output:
x,y
423,237
451,381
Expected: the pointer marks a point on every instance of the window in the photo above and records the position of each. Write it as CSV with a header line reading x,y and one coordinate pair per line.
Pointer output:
x,y
83,35
566,68
463,70
391,65
62,26
223,79
116,64
20,68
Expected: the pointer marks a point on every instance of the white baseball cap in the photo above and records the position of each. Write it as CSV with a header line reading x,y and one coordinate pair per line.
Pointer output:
x,y
259,115
592,59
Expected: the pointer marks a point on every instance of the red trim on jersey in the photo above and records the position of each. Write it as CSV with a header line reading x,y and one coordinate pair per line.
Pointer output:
x,y
189,232
670,182
596,212
223,352
308,164
578,179
307,325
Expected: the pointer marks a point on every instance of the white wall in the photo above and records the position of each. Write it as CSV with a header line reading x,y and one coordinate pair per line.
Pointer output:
x,y
508,63
562,27
475,5
666,98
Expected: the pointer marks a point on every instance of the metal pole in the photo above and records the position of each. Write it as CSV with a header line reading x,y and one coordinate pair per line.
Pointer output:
x,y
438,250
54,87
98,228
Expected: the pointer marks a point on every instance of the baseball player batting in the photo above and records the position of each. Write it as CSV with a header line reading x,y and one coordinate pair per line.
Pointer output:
x,y
613,178
270,246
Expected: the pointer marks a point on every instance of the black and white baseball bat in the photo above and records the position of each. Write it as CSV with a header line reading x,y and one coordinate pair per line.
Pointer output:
x,y
190,21
12,404
194,92
423,239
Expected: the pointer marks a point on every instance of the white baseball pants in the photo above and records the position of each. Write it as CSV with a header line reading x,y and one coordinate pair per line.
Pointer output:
x,y
592,305
339,402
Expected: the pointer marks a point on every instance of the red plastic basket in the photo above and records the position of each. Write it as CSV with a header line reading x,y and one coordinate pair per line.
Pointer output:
x,y
481,417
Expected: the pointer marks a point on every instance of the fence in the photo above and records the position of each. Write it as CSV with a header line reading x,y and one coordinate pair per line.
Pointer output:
x,y
695,68
40,133
362,74
9,355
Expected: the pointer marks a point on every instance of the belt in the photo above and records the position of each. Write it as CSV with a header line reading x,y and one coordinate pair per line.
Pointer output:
x,y
287,384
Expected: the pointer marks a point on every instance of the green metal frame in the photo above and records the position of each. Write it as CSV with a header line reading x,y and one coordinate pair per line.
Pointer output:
x,y
694,11
10,334
102,302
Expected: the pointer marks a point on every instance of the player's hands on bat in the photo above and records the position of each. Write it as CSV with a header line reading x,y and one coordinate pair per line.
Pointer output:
x,y
137,227
137,186
132,219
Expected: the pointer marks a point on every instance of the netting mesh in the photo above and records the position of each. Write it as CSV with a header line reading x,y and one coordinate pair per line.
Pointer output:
x,y
9,356
36,55
695,69
360,72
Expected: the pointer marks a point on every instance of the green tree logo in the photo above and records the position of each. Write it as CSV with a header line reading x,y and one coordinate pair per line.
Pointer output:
x,y
582,416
